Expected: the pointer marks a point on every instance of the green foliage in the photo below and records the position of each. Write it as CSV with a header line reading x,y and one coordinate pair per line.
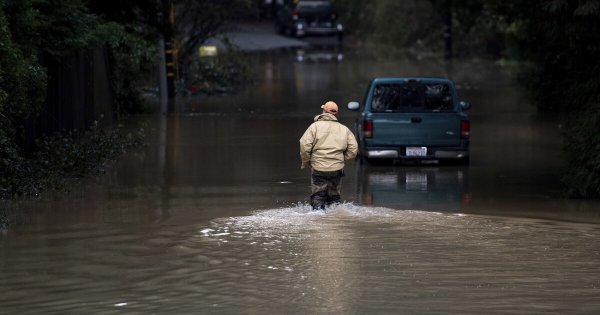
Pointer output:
x,y
219,75
195,21
420,26
12,165
22,81
133,60
561,40
54,28
392,25
582,150
63,157
74,155
22,90
136,16
40,30
131,33
65,26
560,43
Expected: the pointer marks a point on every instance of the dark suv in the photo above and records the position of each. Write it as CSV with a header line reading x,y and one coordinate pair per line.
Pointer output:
x,y
308,17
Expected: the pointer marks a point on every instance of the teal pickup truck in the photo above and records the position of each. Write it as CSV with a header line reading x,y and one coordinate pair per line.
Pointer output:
x,y
412,118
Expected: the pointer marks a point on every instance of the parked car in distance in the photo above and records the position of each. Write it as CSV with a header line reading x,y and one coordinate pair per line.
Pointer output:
x,y
299,18
412,118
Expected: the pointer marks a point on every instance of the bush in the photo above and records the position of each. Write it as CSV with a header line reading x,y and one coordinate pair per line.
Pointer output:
x,y
62,157
22,85
582,151
223,74
133,60
35,31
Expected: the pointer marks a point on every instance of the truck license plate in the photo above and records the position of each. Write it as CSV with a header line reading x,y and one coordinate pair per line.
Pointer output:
x,y
416,151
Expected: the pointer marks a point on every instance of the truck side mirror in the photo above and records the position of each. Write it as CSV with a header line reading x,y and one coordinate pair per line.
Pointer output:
x,y
353,106
464,105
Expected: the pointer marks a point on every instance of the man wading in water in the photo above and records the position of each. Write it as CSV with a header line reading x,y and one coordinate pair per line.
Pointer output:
x,y
324,147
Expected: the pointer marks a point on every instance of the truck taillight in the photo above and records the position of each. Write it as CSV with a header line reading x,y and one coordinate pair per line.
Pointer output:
x,y
367,128
295,15
465,129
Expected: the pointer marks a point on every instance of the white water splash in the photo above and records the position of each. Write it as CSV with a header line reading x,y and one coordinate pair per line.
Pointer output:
x,y
301,218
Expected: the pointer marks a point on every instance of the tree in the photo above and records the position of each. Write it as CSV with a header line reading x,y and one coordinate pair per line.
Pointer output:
x,y
22,79
560,41
36,37
183,24
195,21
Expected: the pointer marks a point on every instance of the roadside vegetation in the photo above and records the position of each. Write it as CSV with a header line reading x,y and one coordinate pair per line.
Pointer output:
x,y
38,151
34,36
556,44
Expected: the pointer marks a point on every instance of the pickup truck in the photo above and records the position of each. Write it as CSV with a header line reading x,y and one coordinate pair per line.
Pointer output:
x,y
412,118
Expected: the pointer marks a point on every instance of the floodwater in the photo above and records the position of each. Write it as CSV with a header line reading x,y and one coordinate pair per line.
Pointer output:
x,y
211,217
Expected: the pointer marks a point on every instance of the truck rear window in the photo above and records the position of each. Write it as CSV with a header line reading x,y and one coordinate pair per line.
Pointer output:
x,y
412,97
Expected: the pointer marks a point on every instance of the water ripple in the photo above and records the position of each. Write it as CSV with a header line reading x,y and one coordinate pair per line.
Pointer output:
x,y
349,259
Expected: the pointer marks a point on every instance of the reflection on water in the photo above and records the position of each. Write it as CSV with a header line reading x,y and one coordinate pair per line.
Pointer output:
x,y
313,55
439,188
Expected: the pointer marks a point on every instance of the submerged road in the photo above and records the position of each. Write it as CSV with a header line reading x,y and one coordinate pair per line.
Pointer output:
x,y
211,217
255,36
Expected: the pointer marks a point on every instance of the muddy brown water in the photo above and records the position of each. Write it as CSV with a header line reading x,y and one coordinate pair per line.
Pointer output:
x,y
211,217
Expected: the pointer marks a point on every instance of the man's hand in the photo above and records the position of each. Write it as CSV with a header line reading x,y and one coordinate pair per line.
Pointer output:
x,y
304,164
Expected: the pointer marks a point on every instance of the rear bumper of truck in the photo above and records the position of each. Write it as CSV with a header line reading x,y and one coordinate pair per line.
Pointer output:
x,y
432,154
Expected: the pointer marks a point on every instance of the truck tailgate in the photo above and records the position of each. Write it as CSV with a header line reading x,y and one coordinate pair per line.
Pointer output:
x,y
419,129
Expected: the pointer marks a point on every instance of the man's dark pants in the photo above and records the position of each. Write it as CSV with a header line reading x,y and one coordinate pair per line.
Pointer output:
x,y
325,188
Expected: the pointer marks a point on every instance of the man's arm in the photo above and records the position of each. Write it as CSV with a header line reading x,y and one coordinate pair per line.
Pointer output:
x,y
352,148
306,146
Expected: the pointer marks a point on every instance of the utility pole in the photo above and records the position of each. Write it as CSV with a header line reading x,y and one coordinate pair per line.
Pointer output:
x,y
162,77
171,67
168,53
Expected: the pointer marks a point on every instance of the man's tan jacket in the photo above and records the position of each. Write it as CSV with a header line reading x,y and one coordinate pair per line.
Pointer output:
x,y
326,144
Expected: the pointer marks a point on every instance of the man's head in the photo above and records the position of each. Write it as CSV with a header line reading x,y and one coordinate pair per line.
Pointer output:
x,y
330,107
